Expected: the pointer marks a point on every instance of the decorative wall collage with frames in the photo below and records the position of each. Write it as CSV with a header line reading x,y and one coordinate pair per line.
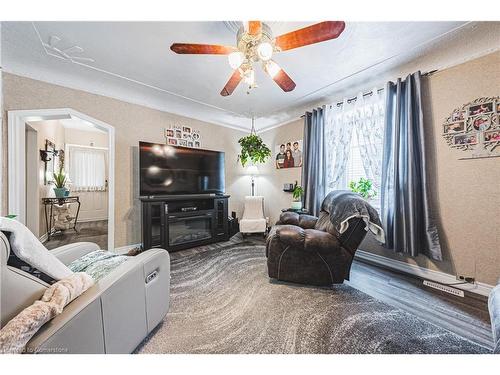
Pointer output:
x,y
475,127
184,136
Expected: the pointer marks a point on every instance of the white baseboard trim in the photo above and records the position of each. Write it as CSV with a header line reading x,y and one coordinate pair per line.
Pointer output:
x,y
125,249
424,273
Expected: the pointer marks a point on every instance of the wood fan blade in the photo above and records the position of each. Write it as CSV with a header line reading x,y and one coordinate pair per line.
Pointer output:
x,y
232,83
309,35
254,27
201,49
279,76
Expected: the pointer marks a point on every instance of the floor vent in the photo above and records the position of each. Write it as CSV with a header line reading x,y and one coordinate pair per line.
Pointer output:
x,y
444,288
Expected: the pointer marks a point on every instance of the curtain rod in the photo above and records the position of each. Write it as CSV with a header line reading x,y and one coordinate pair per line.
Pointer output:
x,y
338,104
369,93
353,99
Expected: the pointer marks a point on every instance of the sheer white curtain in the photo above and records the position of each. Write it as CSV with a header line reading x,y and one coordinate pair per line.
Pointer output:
x,y
363,118
338,133
87,168
369,124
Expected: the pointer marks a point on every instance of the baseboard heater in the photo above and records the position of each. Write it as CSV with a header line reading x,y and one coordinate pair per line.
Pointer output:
x,y
444,288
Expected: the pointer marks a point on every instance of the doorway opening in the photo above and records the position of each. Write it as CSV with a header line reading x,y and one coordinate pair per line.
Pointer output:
x,y
66,193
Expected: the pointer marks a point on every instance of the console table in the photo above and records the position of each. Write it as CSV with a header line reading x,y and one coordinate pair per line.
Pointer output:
x,y
179,222
48,208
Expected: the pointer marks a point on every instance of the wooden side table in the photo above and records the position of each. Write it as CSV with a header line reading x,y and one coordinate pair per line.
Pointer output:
x,y
48,208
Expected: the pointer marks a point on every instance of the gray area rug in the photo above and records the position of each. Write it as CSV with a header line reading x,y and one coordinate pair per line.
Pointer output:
x,y
222,301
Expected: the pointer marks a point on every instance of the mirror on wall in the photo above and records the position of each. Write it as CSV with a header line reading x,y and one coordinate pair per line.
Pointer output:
x,y
53,160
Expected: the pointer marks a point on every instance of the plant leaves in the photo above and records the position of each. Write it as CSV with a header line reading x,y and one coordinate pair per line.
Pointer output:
x,y
253,149
363,187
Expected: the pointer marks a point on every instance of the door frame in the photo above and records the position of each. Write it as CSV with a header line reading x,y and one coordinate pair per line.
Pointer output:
x,y
16,121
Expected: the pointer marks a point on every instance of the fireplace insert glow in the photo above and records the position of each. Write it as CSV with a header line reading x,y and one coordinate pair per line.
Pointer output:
x,y
186,229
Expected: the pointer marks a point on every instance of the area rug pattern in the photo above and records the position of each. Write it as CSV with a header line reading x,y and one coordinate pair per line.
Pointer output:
x,y
222,301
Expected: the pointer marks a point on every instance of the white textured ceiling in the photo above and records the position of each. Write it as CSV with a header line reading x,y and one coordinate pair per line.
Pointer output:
x,y
133,62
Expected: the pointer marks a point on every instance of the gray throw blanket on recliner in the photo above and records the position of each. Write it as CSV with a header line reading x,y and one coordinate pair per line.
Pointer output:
x,y
343,205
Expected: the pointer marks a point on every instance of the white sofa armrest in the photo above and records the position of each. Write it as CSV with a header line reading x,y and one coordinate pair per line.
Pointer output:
x,y
71,252
115,314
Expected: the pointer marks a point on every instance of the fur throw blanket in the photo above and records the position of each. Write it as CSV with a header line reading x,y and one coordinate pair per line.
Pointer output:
x,y
19,330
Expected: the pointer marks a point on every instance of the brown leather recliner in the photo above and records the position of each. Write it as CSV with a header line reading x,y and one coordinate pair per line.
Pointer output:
x,y
309,250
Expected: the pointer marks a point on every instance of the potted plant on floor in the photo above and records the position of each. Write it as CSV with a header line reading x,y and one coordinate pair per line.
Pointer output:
x,y
59,184
297,194
363,187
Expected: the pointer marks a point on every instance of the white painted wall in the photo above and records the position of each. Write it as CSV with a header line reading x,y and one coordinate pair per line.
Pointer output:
x,y
32,187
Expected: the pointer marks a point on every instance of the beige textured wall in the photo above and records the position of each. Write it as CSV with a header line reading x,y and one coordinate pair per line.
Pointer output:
x,y
132,123
270,181
466,192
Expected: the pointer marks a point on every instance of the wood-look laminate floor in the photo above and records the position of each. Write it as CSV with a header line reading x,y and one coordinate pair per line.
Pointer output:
x,y
467,317
91,231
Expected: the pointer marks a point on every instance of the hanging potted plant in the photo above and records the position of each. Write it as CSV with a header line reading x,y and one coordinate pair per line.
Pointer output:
x,y
60,183
363,187
297,194
253,148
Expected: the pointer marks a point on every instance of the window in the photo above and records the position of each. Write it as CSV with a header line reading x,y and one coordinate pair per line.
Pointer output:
x,y
354,141
87,168
355,169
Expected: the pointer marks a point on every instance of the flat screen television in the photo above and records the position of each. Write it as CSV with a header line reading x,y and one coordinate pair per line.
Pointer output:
x,y
167,170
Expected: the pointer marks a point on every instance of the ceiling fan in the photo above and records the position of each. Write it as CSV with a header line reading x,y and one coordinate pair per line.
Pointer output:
x,y
255,44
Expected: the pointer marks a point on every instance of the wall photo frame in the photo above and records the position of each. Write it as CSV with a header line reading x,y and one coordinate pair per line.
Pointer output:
x,y
475,128
288,154
180,135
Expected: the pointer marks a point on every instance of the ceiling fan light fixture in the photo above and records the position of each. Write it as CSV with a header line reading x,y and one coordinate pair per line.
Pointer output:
x,y
236,59
255,43
249,77
265,51
271,68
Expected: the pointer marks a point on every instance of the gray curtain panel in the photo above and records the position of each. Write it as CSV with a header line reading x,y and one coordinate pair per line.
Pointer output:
x,y
313,165
406,214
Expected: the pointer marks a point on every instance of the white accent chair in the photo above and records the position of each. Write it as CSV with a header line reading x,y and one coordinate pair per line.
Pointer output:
x,y
253,220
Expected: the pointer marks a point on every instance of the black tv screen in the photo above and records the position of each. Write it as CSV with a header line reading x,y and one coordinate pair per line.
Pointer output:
x,y
166,170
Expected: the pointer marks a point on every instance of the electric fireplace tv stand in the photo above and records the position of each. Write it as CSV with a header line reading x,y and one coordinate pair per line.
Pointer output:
x,y
177,222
